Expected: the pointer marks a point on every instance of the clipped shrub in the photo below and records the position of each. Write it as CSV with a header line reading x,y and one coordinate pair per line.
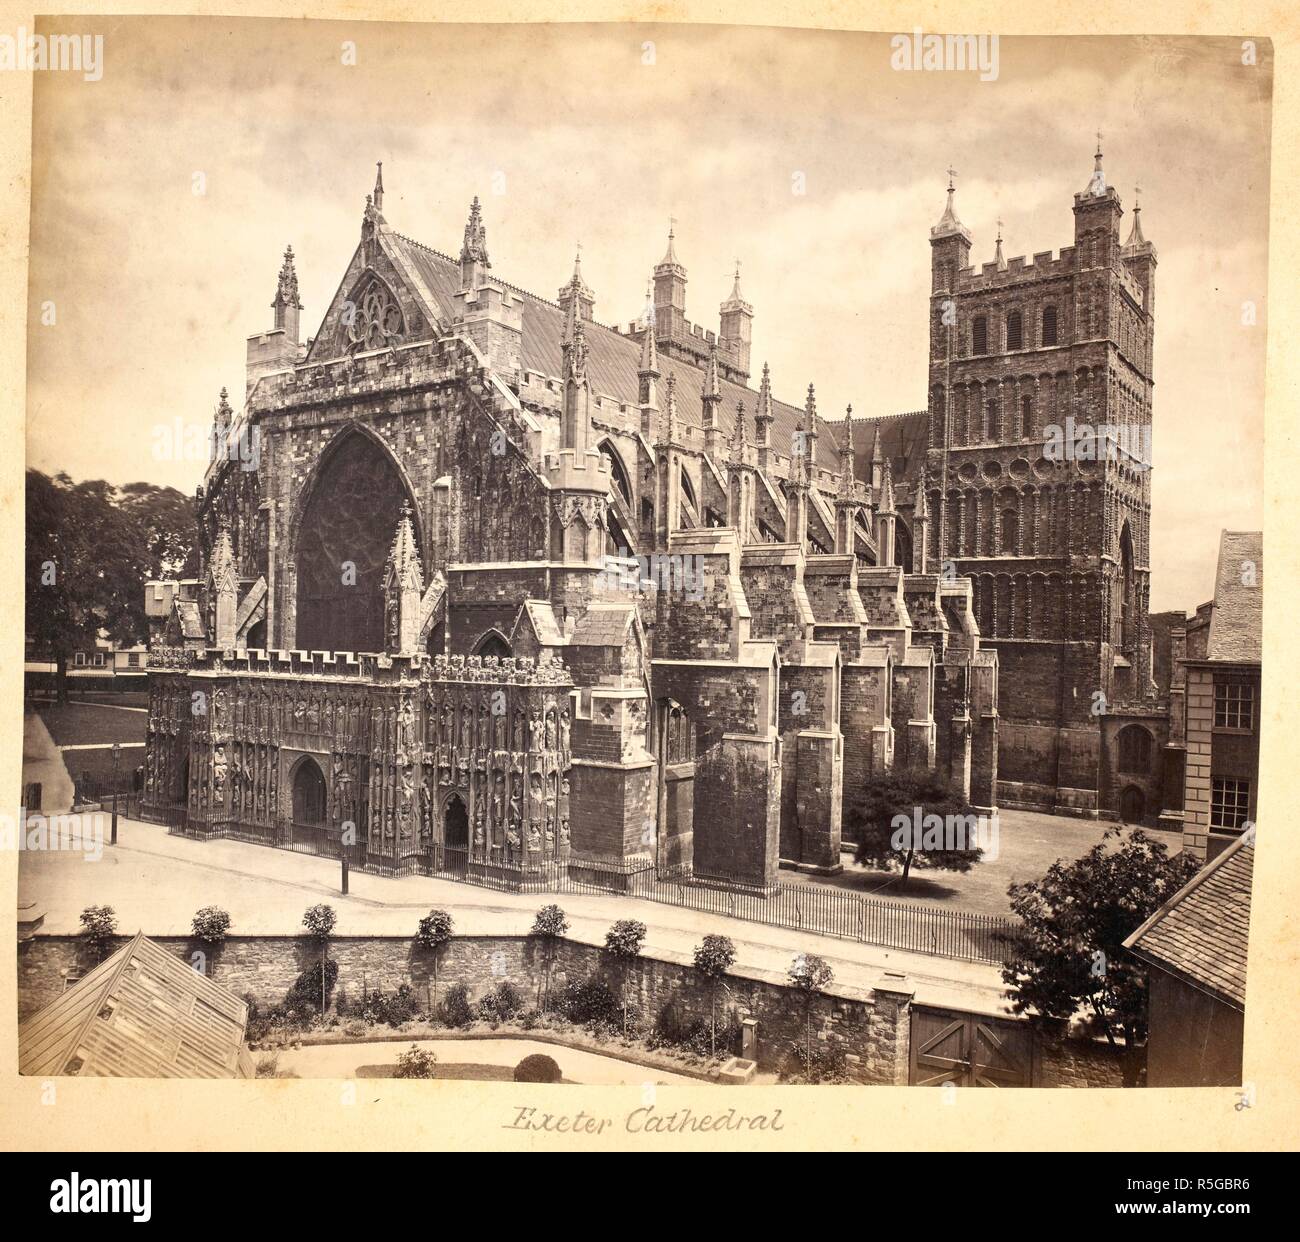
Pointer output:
x,y
392,1008
590,1001
455,1009
416,1063
319,921
98,926
210,925
537,1068
502,1005
820,1065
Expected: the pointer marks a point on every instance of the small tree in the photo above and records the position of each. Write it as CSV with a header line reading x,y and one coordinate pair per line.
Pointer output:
x,y
549,927
98,927
416,1063
623,943
714,956
434,931
1069,950
319,921
811,975
907,819
211,925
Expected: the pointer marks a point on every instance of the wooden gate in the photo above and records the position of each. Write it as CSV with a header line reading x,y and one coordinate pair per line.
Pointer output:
x,y
969,1050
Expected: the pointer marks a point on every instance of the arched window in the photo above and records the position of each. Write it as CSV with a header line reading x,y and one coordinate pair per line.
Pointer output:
x,y
1134,750
1049,325
980,335
1015,331
1010,528
619,475
991,419
348,518
1026,416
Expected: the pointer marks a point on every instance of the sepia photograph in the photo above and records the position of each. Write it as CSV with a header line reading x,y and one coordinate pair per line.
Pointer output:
x,y
691,558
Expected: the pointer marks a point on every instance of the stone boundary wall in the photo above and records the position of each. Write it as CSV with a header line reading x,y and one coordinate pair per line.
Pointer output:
x,y
871,1026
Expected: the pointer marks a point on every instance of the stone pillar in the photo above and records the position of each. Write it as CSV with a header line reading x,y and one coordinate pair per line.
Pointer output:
x,y
891,1042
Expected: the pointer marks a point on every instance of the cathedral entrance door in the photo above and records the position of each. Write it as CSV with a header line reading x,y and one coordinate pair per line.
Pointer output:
x,y
455,833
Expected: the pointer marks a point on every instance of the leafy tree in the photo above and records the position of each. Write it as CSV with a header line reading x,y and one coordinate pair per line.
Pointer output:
x,y
714,956
98,927
90,548
1068,952
623,943
211,925
435,930
811,975
912,818
549,927
319,920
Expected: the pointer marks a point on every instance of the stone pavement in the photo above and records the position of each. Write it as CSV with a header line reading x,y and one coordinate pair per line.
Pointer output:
x,y
155,883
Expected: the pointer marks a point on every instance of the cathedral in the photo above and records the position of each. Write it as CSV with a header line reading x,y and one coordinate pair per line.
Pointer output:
x,y
492,587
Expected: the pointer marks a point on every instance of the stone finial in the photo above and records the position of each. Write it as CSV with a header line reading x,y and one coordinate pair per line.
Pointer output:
x,y
286,288
378,195
474,247
649,349
738,434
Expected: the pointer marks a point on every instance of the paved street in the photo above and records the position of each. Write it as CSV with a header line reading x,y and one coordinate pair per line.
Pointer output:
x,y
155,882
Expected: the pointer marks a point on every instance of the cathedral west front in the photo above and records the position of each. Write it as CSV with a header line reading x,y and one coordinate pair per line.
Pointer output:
x,y
490,585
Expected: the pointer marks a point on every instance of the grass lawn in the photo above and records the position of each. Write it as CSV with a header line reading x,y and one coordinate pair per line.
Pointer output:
x,y
1028,843
84,724
95,724
464,1071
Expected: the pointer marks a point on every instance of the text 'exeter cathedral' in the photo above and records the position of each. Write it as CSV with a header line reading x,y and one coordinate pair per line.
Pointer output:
x,y
494,582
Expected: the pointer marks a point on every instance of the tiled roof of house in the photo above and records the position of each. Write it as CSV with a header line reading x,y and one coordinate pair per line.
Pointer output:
x,y
613,359
1237,621
141,1013
1200,934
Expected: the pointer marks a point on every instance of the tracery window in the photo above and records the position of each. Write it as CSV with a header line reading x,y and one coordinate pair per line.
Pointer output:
x,y
372,318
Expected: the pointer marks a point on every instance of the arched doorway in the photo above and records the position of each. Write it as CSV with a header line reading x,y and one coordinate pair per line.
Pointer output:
x,y
343,540
455,824
308,794
1132,805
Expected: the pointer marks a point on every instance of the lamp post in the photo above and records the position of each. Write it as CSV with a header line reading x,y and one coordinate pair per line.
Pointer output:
x,y
117,754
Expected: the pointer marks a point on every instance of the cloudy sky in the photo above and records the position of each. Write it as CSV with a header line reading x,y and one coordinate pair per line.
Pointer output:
x,y
599,135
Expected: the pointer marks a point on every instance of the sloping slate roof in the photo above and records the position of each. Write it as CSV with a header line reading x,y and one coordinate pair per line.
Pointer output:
x,y
1200,933
1237,624
142,1013
603,625
613,359
903,440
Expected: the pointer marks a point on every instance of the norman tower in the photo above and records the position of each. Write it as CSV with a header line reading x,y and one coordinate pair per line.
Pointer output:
x,y
1038,480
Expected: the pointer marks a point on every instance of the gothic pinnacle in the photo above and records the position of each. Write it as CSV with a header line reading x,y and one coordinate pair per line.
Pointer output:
x,y
475,244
